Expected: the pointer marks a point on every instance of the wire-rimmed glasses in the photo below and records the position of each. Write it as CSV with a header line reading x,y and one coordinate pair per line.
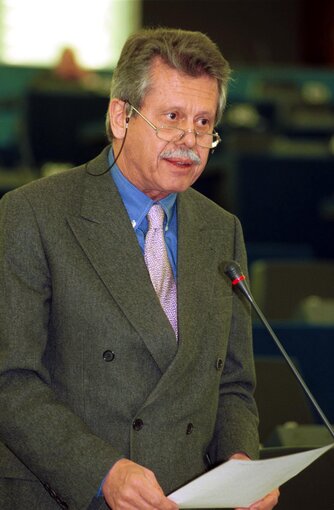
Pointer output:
x,y
174,134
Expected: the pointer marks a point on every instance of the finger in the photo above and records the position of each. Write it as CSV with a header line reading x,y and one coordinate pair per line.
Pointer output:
x,y
268,502
131,499
142,492
154,496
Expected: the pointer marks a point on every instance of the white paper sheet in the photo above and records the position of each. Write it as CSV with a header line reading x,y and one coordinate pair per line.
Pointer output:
x,y
239,483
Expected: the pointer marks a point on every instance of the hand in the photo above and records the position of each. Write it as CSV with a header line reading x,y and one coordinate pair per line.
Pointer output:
x,y
266,503
129,486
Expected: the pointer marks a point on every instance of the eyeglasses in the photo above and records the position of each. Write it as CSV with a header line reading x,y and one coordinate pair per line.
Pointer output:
x,y
174,134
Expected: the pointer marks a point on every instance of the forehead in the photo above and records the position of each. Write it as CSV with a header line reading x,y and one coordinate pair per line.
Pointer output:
x,y
170,86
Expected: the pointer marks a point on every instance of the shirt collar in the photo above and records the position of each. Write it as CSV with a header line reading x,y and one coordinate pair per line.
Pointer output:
x,y
136,202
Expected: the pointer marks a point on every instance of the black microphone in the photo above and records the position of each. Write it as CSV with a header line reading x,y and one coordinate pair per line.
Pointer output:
x,y
233,271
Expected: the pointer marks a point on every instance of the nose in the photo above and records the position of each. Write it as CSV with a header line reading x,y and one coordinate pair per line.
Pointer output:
x,y
188,138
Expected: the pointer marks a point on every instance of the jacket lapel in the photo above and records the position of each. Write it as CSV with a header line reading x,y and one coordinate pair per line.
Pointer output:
x,y
197,265
106,235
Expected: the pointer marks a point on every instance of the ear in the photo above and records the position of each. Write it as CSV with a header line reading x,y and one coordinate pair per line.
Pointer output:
x,y
117,118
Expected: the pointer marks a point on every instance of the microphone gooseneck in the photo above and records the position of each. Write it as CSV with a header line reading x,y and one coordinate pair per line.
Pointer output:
x,y
233,271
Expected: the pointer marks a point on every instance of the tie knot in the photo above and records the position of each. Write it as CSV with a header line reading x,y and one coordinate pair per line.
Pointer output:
x,y
156,216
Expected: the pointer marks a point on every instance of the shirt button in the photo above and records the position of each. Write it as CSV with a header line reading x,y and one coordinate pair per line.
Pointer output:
x,y
190,428
137,424
108,355
219,363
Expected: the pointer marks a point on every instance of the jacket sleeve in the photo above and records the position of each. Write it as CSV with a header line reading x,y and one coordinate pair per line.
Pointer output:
x,y
237,419
41,431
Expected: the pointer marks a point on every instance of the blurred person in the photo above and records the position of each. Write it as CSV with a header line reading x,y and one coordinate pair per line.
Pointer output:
x,y
68,68
126,365
68,75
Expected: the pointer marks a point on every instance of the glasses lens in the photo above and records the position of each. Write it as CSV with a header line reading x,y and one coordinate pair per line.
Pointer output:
x,y
206,140
169,134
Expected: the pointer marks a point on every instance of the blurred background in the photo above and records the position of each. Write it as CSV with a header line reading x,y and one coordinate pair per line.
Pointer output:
x,y
274,167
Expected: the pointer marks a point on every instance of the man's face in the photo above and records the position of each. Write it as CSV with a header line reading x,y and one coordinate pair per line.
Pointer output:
x,y
158,167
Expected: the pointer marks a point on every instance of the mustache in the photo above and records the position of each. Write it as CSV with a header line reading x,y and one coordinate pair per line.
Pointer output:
x,y
181,153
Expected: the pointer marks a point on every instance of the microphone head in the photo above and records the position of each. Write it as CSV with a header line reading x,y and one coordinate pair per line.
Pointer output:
x,y
233,271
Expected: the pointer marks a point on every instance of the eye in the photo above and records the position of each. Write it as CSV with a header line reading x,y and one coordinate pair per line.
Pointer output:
x,y
203,122
171,116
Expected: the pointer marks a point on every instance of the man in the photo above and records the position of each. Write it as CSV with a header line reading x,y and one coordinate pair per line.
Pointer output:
x,y
110,392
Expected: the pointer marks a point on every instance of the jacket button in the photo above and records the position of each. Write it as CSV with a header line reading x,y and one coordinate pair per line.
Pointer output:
x,y
137,424
53,493
190,428
108,355
219,363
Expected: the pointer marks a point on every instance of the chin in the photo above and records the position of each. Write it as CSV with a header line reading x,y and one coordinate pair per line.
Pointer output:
x,y
179,185
179,188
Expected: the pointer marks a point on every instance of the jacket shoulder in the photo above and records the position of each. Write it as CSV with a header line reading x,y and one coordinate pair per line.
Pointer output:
x,y
65,182
208,209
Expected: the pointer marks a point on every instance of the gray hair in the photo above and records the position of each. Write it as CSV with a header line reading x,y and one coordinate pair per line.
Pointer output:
x,y
192,53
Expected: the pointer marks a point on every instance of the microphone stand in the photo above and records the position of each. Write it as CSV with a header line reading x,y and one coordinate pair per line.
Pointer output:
x,y
238,280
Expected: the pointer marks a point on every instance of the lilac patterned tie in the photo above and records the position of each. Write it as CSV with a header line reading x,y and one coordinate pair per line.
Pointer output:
x,y
158,265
